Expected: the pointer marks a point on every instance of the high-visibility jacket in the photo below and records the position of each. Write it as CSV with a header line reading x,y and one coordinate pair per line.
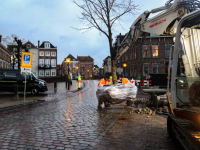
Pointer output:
x,y
125,80
79,79
103,82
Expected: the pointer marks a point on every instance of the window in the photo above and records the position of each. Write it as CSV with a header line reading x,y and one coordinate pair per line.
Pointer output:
x,y
41,62
83,68
145,50
154,50
41,72
118,61
53,72
47,72
47,45
47,53
155,68
47,62
145,69
41,53
53,63
167,50
28,45
53,53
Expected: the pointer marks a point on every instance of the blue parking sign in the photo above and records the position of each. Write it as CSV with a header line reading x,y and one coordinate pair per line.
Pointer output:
x,y
26,60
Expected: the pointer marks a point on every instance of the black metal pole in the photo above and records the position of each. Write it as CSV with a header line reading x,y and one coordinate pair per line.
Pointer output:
x,y
68,76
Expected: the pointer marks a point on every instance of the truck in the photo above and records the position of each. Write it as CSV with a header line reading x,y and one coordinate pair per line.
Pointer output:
x,y
180,18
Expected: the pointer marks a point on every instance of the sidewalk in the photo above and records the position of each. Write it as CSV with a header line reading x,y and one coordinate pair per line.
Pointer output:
x,y
7,98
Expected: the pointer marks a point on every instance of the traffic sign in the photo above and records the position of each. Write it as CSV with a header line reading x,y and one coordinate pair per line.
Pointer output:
x,y
26,60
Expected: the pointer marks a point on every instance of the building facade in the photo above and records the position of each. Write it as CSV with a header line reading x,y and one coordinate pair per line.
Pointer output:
x,y
151,57
74,67
5,56
107,65
47,60
86,67
96,72
33,49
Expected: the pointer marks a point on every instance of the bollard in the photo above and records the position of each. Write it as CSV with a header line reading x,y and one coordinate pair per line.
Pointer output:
x,y
154,100
16,97
68,85
55,87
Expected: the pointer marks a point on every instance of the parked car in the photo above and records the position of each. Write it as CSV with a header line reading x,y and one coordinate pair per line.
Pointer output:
x,y
10,77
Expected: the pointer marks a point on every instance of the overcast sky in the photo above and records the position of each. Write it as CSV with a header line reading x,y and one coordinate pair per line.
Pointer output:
x,y
51,20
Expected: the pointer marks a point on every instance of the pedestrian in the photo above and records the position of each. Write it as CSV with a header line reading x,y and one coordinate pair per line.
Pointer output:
x,y
110,80
124,80
79,82
103,81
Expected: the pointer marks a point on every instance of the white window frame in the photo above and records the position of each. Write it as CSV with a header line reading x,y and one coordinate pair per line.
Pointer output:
x,y
53,63
47,45
47,62
41,62
144,73
40,53
155,65
47,71
40,73
167,51
52,54
145,51
52,72
154,50
47,53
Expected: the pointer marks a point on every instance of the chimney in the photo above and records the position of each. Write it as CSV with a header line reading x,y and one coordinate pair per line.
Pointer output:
x,y
0,38
38,44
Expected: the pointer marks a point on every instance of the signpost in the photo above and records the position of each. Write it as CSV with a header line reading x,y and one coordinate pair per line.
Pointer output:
x,y
26,65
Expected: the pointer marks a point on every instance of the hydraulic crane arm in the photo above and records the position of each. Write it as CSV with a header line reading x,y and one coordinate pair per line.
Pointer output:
x,y
163,23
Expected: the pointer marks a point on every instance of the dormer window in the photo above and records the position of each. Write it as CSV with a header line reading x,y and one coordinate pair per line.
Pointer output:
x,y
46,45
28,46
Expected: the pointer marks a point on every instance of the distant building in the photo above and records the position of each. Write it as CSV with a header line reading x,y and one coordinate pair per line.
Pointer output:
x,y
86,67
74,67
33,49
47,60
96,72
151,57
5,56
107,65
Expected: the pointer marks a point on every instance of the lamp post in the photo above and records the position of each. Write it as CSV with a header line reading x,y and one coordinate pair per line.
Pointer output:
x,y
77,70
103,69
124,65
68,61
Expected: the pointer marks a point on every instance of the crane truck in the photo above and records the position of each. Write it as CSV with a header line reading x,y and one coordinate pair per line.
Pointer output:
x,y
180,18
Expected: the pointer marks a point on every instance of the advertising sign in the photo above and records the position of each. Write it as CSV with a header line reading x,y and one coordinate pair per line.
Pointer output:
x,y
26,60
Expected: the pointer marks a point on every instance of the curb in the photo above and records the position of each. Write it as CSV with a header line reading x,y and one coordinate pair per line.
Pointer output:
x,y
21,105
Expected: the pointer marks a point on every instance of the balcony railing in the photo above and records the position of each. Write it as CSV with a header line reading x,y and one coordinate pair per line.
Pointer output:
x,y
44,66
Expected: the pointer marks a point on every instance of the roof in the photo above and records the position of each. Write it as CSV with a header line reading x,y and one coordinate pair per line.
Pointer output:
x,y
96,66
107,57
3,47
32,45
42,45
72,58
85,58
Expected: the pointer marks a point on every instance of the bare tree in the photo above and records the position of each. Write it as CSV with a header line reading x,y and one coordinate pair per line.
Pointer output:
x,y
104,15
12,46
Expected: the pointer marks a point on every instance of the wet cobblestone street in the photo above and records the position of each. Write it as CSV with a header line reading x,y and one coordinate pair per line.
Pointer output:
x,y
73,121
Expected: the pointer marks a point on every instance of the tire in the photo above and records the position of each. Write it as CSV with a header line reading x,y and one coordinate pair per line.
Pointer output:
x,y
34,91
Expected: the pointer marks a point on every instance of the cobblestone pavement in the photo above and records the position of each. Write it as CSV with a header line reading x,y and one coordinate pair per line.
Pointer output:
x,y
73,121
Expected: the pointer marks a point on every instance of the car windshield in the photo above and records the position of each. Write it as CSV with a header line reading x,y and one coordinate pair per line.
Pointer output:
x,y
34,75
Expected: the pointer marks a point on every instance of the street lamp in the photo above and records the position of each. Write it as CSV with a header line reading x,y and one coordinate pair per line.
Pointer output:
x,y
68,61
124,65
103,69
77,70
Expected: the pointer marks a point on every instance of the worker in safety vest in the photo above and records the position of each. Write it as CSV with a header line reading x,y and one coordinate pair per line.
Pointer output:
x,y
124,80
110,80
103,81
79,81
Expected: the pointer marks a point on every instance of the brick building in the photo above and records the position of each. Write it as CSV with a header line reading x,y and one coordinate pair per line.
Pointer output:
x,y
5,56
86,67
151,57
47,60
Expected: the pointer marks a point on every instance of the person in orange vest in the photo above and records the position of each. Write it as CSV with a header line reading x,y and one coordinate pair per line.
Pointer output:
x,y
124,80
103,81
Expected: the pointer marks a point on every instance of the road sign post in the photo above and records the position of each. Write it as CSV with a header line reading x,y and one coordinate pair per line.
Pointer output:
x,y
26,65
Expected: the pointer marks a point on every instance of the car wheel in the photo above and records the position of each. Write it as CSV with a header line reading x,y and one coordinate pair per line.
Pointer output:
x,y
34,91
